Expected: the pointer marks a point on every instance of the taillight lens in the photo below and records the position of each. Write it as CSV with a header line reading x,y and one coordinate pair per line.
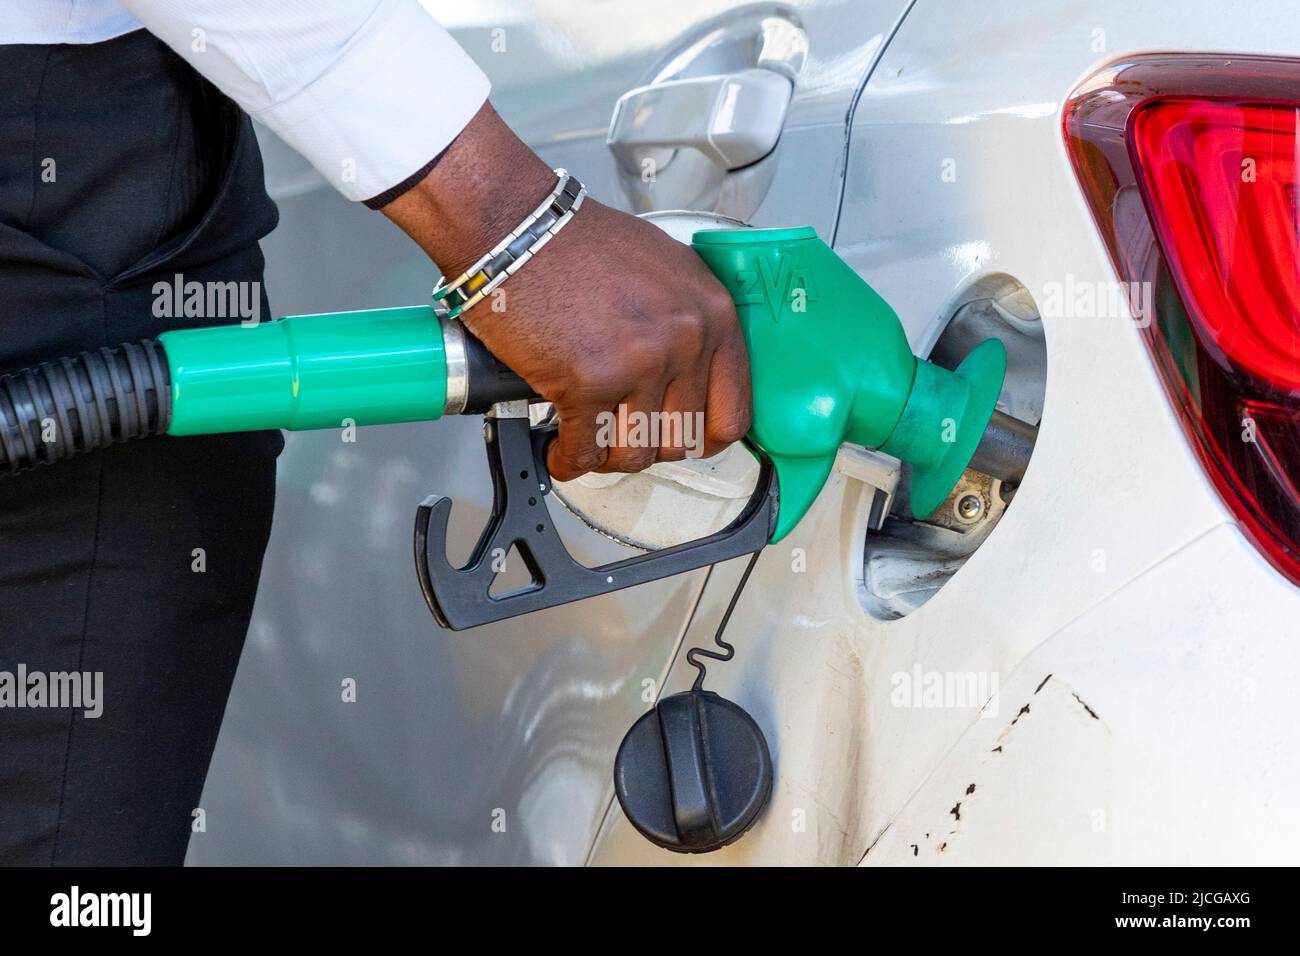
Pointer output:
x,y
1219,181
1191,165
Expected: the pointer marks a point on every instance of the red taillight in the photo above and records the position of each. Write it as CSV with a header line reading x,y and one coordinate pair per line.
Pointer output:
x,y
1192,168
1219,181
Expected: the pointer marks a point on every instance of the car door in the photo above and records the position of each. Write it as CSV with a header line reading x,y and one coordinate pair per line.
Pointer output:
x,y
358,731
1093,667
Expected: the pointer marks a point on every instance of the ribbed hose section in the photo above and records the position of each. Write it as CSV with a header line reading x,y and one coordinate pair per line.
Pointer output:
x,y
71,405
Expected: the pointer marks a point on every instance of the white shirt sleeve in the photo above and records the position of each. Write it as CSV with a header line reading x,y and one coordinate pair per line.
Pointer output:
x,y
369,91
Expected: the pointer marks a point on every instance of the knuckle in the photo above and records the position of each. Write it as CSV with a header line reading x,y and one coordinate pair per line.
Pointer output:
x,y
644,357
719,304
574,466
587,458
569,458
594,379
732,426
561,468
690,330
630,460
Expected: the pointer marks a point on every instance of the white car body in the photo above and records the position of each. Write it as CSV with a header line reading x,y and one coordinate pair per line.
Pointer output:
x,y
1139,651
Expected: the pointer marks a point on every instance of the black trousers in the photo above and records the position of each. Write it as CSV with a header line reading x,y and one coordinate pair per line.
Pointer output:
x,y
120,168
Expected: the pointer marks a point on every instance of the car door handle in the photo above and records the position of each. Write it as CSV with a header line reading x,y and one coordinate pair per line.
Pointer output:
x,y
735,119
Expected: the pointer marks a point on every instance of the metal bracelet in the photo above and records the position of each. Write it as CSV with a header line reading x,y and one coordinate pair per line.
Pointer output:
x,y
450,299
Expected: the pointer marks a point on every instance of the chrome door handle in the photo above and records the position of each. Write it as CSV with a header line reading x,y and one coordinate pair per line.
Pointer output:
x,y
735,119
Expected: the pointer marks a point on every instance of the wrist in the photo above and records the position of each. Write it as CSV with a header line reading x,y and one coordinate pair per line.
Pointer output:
x,y
486,183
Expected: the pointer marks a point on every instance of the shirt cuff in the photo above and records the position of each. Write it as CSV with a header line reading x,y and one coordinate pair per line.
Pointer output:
x,y
395,98
410,182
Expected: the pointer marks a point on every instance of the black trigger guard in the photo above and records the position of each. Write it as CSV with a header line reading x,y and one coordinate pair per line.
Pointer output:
x,y
461,597
539,436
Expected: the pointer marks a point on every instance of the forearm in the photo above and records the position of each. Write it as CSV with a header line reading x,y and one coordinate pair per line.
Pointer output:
x,y
484,185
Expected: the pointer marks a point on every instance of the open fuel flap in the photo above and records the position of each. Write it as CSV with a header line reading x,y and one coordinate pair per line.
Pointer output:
x,y
906,560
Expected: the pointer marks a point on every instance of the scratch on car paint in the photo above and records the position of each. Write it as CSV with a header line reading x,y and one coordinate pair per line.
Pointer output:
x,y
883,831
1091,713
840,817
1053,707
833,817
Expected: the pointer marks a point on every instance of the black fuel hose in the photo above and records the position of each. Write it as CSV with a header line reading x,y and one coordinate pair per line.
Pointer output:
x,y
72,405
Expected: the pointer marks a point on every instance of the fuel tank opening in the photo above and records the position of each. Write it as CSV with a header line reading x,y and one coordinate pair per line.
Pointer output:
x,y
906,560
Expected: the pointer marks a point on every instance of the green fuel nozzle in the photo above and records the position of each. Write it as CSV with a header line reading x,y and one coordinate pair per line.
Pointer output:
x,y
830,363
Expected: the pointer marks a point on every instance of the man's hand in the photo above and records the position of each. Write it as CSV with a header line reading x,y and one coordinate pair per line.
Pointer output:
x,y
611,318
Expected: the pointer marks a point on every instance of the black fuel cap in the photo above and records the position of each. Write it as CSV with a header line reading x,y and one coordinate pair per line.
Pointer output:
x,y
693,774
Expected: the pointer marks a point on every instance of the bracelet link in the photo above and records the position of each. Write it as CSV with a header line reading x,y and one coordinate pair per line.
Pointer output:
x,y
450,299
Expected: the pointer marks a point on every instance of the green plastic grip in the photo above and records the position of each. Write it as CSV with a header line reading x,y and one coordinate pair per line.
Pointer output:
x,y
371,367
830,363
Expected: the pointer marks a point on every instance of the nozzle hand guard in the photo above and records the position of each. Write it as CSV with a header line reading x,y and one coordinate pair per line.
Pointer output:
x,y
461,597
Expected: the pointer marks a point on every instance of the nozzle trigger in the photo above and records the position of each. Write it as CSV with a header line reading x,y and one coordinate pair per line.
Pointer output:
x,y
460,597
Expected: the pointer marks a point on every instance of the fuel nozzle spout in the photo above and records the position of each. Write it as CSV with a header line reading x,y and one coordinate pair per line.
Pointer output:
x,y
1004,450
945,418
